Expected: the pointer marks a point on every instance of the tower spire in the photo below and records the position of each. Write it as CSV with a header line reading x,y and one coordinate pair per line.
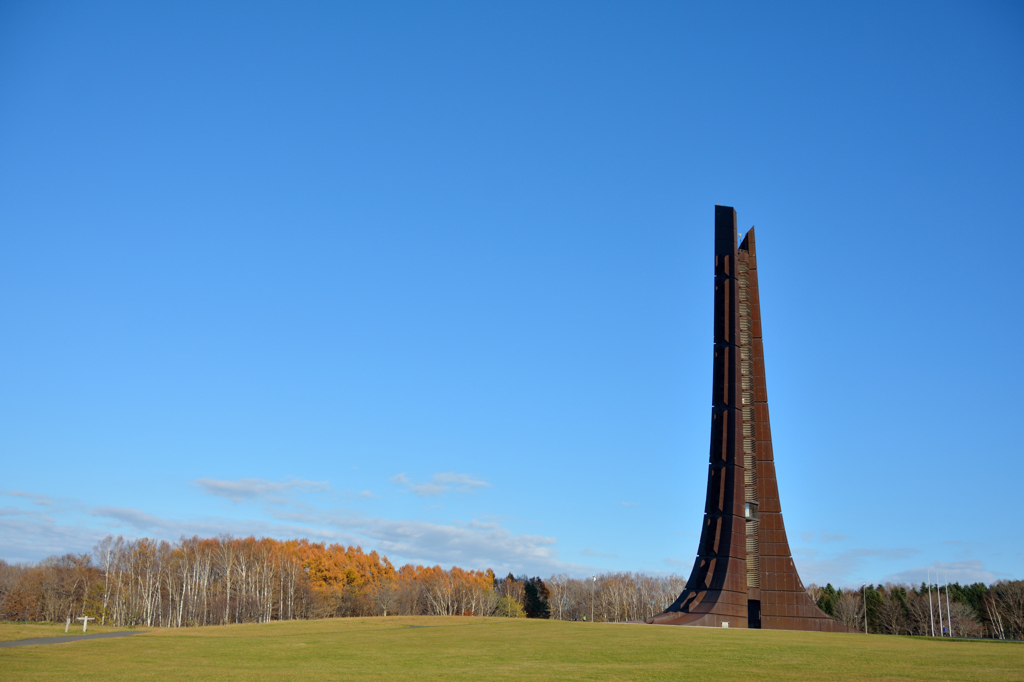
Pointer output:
x,y
744,574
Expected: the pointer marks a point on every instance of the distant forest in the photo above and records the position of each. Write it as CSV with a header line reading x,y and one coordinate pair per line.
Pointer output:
x,y
213,581
977,610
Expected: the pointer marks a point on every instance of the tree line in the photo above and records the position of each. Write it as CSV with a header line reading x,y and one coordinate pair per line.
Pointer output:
x,y
977,610
214,581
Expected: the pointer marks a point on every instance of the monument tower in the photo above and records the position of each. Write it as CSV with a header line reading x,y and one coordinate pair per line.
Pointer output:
x,y
744,574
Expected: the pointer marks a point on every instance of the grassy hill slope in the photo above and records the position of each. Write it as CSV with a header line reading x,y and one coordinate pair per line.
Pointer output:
x,y
494,648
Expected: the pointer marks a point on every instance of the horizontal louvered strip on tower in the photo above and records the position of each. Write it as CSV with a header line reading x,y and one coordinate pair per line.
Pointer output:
x,y
753,558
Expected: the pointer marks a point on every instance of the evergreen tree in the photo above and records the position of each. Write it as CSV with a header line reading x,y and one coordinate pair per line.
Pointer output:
x,y
827,600
537,596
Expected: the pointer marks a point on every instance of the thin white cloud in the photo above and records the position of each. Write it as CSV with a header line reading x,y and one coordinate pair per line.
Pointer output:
x,y
838,568
16,511
473,544
590,552
138,520
148,525
256,489
963,572
476,543
41,500
439,484
812,536
26,540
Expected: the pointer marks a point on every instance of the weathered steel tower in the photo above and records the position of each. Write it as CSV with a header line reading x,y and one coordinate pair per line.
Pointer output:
x,y
744,573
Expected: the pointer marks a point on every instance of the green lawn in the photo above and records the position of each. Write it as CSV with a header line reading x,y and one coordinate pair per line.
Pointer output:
x,y
475,648
10,631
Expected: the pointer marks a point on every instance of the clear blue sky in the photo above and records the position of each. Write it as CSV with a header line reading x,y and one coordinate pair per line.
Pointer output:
x,y
436,279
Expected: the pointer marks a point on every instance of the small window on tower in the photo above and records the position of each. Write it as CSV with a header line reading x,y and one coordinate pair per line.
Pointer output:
x,y
750,510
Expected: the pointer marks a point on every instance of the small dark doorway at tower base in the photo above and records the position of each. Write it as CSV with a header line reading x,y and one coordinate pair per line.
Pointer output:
x,y
754,613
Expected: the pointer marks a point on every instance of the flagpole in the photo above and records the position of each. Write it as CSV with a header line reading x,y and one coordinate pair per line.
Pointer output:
x,y
949,613
931,613
938,598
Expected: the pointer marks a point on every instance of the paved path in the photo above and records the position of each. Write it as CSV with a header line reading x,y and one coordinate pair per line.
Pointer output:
x,y
61,640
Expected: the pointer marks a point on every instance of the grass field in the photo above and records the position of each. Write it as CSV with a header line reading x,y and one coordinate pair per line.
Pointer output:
x,y
12,631
490,648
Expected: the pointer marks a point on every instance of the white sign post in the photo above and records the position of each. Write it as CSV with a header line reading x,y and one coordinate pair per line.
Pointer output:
x,y
85,621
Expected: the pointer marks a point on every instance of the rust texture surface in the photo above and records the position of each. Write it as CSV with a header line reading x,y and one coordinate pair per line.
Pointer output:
x,y
744,574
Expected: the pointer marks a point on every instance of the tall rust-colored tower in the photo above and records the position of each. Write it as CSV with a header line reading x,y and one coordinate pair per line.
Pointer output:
x,y
744,573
